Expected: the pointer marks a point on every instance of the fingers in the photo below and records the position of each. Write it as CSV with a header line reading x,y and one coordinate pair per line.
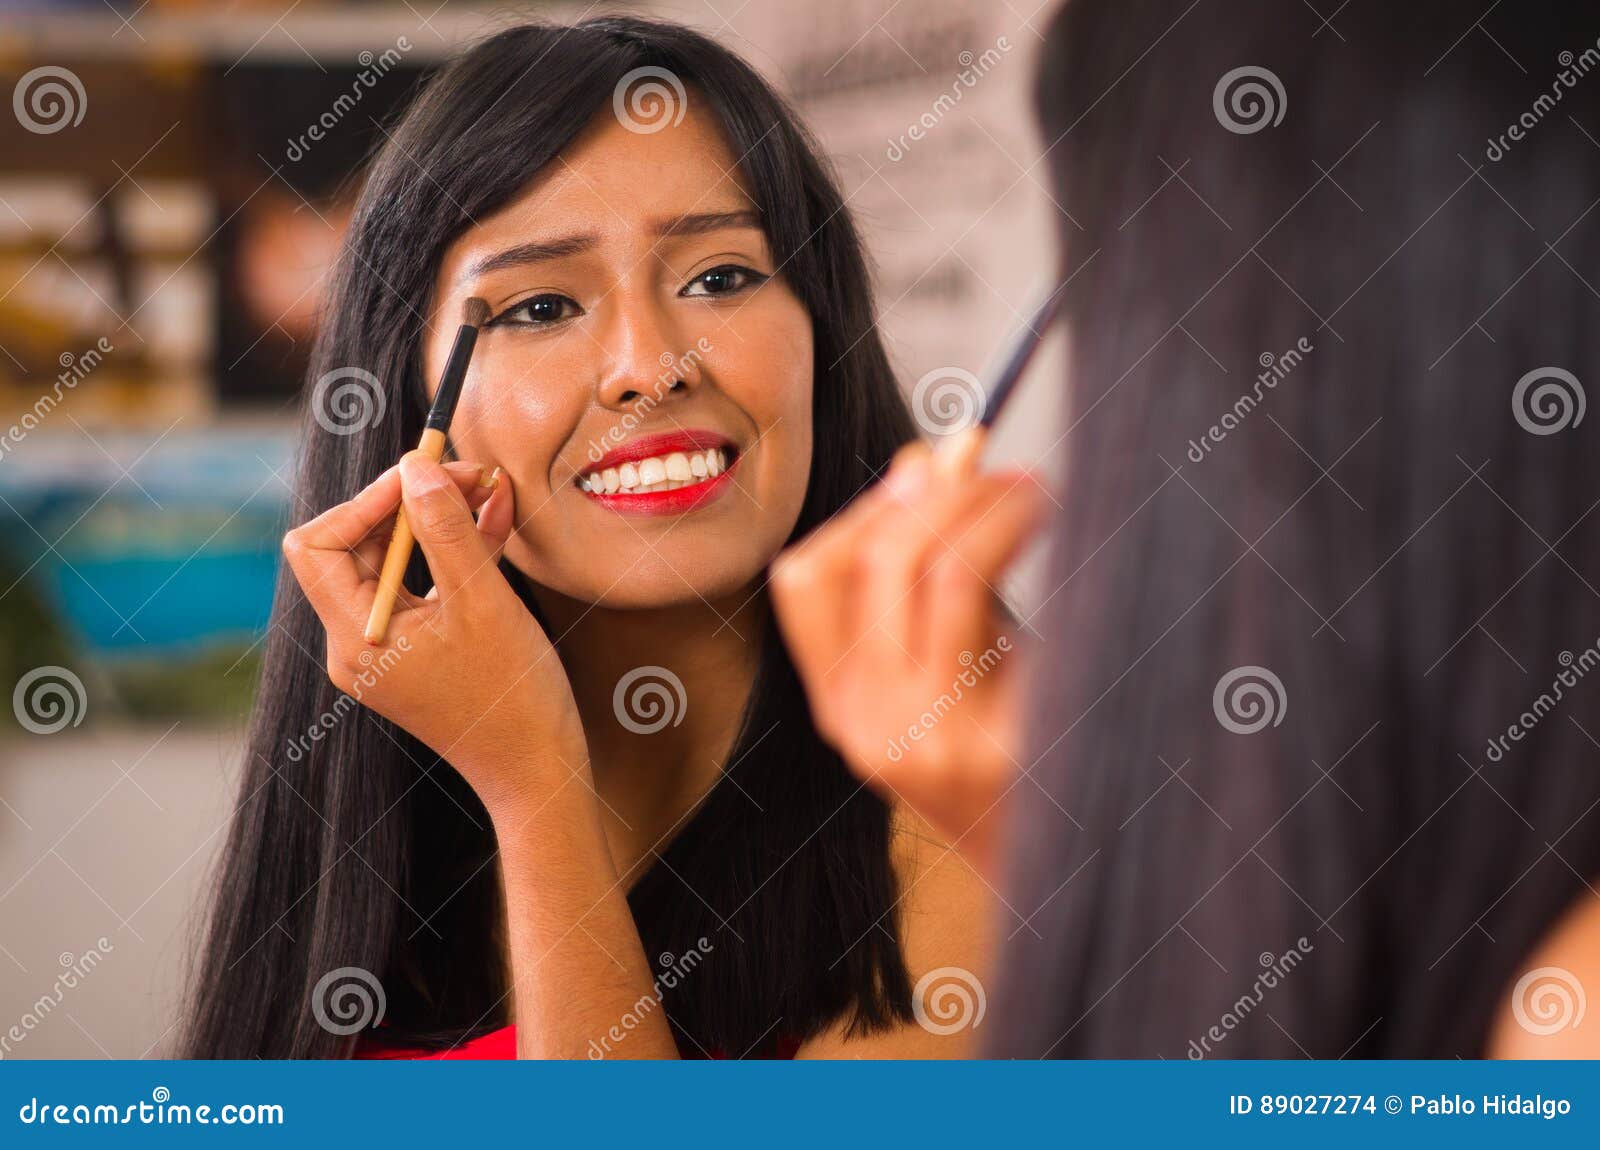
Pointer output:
x,y
811,581
332,555
496,519
986,539
893,553
831,542
475,484
893,559
347,525
442,522
497,516
957,456
906,574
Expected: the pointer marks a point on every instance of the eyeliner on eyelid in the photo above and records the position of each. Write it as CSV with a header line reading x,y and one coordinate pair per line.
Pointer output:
x,y
753,279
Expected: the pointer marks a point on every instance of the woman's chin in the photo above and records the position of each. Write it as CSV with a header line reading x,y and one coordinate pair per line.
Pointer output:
x,y
661,579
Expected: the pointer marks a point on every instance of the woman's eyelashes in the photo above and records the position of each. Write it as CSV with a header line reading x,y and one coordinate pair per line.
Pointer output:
x,y
548,309
544,310
726,279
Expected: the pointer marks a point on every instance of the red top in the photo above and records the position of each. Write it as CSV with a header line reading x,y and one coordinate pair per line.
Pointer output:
x,y
502,1043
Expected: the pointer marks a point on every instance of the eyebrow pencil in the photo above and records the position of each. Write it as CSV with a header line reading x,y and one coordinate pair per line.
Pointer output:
x,y
473,315
1024,344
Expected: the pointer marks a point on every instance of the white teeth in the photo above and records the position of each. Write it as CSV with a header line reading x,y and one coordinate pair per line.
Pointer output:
x,y
662,473
652,471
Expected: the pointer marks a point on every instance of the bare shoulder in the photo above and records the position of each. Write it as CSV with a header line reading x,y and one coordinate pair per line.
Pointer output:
x,y
1539,1013
947,917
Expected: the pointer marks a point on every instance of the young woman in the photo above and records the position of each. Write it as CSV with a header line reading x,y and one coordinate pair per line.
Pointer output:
x,y
1319,734
581,810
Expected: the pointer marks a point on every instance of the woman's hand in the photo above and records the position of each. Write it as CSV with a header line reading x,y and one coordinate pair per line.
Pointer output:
x,y
466,668
890,613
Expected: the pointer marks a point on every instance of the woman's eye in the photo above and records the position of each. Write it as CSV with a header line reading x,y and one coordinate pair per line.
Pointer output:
x,y
722,281
539,311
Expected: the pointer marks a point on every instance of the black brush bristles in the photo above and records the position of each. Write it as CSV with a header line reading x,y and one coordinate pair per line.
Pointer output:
x,y
473,315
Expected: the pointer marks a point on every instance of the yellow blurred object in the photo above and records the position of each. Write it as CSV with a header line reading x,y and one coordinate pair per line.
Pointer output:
x,y
31,336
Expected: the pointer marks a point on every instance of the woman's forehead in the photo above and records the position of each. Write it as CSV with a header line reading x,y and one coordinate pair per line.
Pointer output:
x,y
613,179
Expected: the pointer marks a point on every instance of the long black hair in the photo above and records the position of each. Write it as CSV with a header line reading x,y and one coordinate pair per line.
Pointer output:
x,y
1326,585
362,849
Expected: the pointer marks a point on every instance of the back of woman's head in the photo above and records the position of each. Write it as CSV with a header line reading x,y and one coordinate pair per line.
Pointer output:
x,y
1326,604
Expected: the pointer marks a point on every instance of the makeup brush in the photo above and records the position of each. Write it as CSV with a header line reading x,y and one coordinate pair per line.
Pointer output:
x,y
473,315
958,454
1024,344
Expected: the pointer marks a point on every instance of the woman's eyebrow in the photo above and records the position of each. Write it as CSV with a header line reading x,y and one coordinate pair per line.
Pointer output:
x,y
534,252
537,250
701,222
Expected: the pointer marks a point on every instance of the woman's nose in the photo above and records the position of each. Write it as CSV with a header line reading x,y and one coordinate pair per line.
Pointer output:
x,y
644,362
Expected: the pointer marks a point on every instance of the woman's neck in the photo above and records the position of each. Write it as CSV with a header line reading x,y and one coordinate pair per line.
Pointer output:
x,y
661,693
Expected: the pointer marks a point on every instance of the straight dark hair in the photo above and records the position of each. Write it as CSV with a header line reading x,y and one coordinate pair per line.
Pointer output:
x,y
366,851
1328,722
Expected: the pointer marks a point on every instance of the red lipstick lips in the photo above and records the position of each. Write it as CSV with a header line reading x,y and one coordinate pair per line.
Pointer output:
x,y
661,444
693,494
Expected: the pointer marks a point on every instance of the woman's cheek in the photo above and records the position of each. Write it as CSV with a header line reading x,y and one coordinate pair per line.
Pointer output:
x,y
786,406
519,429
786,426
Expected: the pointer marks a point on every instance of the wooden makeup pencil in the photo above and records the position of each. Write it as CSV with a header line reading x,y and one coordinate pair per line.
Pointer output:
x,y
395,560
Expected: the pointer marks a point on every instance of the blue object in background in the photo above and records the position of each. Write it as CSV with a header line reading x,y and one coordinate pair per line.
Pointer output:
x,y
150,549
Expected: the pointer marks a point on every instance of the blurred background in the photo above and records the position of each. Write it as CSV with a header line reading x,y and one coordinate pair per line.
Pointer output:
x,y
175,177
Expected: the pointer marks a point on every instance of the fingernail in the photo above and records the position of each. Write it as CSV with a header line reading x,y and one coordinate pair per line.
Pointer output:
x,y
957,454
910,477
461,467
491,481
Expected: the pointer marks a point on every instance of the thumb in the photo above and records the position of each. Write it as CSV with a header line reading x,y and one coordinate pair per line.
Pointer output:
x,y
442,523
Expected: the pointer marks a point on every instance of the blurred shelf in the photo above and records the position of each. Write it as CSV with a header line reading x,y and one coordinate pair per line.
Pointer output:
x,y
290,33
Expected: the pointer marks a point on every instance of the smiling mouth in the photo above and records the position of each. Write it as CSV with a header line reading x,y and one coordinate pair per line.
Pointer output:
x,y
664,474
671,471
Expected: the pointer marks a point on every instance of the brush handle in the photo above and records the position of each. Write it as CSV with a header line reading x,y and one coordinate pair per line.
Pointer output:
x,y
398,557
